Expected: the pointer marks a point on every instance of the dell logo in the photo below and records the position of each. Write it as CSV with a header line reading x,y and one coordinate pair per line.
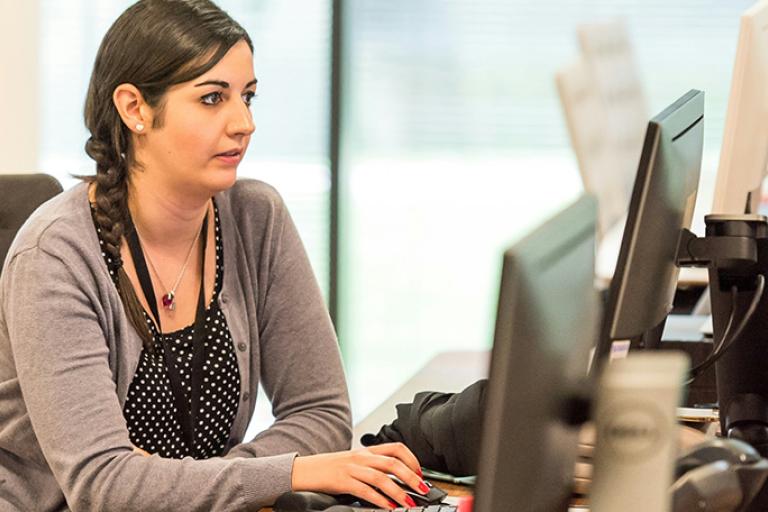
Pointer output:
x,y
632,431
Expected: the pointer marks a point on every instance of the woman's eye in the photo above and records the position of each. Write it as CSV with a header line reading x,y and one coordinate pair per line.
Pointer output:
x,y
248,97
211,98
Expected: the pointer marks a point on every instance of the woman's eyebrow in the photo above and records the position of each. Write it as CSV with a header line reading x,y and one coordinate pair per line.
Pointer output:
x,y
223,84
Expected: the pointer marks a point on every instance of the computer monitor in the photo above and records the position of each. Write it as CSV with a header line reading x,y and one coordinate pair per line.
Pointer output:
x,y
744,153
643,287
545,326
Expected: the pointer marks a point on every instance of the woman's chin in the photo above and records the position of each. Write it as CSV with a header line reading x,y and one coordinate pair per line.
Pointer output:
x,y
222,179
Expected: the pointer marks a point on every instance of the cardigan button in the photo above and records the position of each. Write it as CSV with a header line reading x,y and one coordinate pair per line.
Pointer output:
x,y
242,346
224,298
246,396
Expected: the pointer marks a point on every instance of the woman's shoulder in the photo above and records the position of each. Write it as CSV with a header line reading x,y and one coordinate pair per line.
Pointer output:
x,y
250,192
253,213
251,200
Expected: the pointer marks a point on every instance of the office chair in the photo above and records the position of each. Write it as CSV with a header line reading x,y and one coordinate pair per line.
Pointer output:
x,y
20,195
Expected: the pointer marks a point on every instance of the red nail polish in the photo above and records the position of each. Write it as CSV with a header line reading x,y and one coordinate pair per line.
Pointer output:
x,y
392,505
423,488
421,473
410,501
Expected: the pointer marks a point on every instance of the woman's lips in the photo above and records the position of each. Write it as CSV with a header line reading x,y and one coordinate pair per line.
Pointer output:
x,y
229,157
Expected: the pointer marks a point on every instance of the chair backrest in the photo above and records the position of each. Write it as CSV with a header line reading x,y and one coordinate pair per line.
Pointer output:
x,y
20,195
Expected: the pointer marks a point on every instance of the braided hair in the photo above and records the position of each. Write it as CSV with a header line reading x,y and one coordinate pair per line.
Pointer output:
x,y
153,45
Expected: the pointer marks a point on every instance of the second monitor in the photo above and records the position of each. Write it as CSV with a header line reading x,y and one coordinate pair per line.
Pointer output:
x,y
643,286
539,390
744,154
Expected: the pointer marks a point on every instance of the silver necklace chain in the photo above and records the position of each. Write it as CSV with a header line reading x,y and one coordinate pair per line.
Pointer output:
x,y
172,291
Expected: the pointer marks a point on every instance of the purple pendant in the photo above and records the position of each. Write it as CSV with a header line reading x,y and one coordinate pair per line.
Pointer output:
x,y
168,302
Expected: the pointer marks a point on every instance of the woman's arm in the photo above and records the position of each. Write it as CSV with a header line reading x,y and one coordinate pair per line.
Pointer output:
x,y
301,368
61,358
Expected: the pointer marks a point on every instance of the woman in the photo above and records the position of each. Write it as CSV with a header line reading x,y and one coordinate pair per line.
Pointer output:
x,y
141,309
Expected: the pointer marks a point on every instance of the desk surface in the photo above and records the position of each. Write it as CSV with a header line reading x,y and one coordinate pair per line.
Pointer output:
x,y
448,372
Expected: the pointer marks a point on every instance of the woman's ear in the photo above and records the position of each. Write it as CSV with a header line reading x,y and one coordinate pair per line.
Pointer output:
x,y
132,108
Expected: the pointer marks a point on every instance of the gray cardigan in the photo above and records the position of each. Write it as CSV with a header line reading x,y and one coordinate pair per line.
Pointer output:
x,y
68,354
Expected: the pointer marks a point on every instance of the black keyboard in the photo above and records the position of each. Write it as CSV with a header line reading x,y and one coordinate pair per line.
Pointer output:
x,y
429,508
303,501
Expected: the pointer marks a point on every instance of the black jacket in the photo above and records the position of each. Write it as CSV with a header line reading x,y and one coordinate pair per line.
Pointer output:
x,y
442,429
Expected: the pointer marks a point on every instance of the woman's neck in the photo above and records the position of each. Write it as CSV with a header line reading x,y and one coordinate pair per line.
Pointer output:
x,y
163,216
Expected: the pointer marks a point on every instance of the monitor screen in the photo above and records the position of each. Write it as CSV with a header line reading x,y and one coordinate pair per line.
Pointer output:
x,y
643,286
744,154
545,326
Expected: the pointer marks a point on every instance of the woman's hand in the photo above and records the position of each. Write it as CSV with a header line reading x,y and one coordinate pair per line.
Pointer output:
x,y
362,473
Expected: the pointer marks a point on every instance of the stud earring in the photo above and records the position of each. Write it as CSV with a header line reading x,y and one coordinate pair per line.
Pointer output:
x,y
139,127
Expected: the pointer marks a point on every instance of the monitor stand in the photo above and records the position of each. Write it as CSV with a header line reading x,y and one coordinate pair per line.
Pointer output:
x,y
735,249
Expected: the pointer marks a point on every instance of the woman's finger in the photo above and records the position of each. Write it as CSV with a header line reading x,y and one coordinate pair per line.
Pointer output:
x,y
395,466
400,451
369,494
384,485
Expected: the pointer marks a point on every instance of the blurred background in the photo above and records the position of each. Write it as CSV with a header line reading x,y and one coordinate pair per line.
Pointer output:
x,y
450,141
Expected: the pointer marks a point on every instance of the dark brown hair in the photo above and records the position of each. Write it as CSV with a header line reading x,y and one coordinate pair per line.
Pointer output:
x,y
153,45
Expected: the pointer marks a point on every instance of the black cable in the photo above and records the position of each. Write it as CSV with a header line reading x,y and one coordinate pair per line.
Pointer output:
x,y
748,316
726,342
695,371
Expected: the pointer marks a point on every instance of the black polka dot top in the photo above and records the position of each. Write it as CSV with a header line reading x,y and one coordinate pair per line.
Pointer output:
x,y
150,411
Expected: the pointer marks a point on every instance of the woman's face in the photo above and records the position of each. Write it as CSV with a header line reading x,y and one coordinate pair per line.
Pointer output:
x,y
205,130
